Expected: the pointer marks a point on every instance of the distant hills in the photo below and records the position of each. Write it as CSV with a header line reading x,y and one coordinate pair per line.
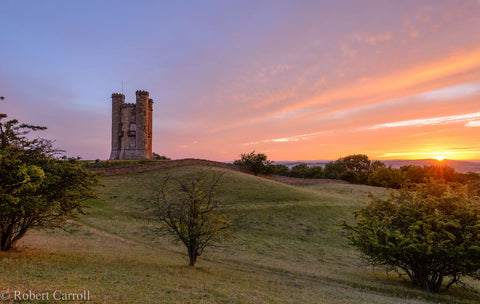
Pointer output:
x,y
462,166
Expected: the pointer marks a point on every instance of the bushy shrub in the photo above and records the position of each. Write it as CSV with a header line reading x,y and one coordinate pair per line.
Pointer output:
x,y
431,233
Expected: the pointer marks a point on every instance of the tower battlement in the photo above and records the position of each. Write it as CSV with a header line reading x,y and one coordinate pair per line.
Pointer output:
x,y
132,127
140,92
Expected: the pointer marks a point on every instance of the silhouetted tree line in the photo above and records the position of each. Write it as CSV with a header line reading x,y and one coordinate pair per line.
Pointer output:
x,y
359,169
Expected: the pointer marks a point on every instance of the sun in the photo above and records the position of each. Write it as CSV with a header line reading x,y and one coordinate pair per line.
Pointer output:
x,y
441,156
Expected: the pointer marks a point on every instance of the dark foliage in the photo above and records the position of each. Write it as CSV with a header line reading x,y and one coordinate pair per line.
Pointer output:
x,y
431,233
258,163
37,188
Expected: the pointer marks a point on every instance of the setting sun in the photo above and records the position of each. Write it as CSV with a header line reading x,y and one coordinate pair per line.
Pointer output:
x,y
440,156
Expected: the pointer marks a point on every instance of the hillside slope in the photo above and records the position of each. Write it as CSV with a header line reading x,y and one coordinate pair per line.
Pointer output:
x,y
288,248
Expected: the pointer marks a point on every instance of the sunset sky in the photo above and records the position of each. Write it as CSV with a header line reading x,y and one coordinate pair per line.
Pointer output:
x,y
296,80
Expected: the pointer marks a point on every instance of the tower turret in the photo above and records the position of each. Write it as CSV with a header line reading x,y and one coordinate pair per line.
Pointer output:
x,y
117,102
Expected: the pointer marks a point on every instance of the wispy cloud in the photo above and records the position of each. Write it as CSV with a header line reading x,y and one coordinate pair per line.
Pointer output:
x,y
452,92
405,82
429,154
473,123
290,139
417,154
373,39
427,121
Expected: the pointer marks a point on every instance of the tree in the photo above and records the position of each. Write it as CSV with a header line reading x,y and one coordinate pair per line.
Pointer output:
x,y
159,157
300,171
359,164
315,172
386,177
280,169
334,169
472,180
38,189
188,210
432,234
255,162
353,168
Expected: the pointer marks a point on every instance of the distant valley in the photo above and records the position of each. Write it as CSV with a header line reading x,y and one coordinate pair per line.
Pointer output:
x,y
462,166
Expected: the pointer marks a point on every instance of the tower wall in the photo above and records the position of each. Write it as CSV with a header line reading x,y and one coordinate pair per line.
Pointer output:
x,y
148,146
117,102
132,127
142,123
127,118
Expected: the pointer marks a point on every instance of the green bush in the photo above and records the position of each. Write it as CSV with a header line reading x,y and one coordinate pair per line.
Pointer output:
x,y
432,234
255,162
37,188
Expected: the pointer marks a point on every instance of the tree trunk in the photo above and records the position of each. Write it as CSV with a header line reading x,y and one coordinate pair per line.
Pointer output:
x,y
8,240
5,242
192,257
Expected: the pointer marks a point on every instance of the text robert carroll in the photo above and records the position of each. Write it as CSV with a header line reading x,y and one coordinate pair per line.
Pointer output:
x,y
56,295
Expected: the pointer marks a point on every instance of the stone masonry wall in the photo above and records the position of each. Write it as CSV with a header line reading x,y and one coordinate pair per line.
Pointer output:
x,y
128,143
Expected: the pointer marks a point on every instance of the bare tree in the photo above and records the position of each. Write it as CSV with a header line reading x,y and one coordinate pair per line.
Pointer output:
x,y
188,210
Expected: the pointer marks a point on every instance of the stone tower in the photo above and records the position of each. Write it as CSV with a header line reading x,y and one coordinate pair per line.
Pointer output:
x,y
132,127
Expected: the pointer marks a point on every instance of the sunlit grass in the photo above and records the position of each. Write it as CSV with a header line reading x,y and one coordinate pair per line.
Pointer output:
x,y
288,248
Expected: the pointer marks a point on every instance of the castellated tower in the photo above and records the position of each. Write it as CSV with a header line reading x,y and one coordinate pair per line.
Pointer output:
x,y
132,127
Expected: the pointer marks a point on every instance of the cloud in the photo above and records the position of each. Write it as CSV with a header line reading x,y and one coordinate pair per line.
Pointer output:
x,y
416,154
458,91
374,38
427,121
473,123
291,138
378,89
452,153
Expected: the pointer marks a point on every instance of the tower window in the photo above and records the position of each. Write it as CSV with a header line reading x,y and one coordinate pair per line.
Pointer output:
x,y
132,131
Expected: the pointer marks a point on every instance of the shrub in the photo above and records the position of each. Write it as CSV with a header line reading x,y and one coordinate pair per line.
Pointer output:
x,y
432,234
37,188
255,162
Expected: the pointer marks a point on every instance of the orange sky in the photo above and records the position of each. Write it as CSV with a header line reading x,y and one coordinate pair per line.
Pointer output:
x,y
297,80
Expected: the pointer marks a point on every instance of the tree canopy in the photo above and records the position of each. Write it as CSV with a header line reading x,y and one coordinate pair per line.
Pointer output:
x,y
431,233
38,188
255,162
187,210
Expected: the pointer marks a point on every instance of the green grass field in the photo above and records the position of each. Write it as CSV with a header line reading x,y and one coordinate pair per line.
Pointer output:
x,y
288,248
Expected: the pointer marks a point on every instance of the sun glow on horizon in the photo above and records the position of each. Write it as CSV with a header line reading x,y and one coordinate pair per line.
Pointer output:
x,y
439,158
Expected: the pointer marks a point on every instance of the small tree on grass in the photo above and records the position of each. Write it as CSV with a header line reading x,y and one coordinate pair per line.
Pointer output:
x,y
159,157
37,189
432,234
188,210
255,162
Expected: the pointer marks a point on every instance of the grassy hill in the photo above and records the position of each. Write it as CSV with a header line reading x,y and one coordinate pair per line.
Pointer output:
x,y
288,248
